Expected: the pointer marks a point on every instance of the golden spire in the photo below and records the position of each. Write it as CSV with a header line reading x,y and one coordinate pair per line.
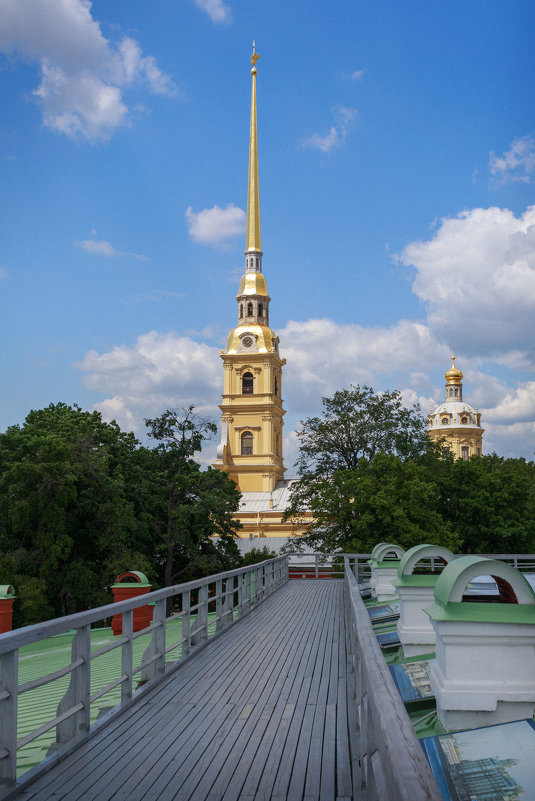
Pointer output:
x,y
252,238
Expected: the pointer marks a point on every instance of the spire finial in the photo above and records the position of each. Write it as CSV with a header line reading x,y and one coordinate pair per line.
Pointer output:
x,y
254,58
252,238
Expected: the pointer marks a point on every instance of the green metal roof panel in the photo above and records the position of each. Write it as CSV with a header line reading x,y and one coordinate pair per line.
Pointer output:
x,y
418,580
482,612
454,579
410,558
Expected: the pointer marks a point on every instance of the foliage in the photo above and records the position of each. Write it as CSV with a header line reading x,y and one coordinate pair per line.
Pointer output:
x,y
81,502
359,423
256,555
367,478
184,506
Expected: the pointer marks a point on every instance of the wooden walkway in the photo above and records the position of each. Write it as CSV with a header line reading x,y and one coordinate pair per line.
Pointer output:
x,y
260,713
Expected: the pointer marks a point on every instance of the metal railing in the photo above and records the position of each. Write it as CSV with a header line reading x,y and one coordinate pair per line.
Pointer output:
x,y
204,609
387,759
320,565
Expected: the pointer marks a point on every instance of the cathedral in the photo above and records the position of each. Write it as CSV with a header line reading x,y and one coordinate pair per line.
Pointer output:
x,y
455,421
250,450
251,445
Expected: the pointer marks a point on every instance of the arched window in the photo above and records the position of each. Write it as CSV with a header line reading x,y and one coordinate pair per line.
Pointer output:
x,y
249,309
456,391
260,310
464,420
241,309
276,386
246,444
464,452
247,384
257,261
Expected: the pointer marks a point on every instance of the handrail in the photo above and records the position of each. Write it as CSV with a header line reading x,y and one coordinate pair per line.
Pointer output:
x,y
388,762
222,599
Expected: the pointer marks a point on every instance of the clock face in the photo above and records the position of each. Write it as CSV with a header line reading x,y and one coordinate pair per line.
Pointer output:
x,y
247,342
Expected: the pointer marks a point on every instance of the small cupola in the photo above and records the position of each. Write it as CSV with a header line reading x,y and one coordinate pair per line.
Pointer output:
x,y
384,563
418,573
484,672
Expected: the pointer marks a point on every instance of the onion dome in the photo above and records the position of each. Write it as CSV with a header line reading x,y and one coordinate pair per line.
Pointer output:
x,y
453,375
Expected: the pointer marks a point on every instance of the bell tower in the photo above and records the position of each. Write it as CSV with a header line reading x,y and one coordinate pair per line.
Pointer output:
x,y
250,450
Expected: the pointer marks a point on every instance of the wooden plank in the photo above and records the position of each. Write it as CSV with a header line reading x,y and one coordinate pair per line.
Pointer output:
x,y
234,722
308,696
255,761
221,774
185,677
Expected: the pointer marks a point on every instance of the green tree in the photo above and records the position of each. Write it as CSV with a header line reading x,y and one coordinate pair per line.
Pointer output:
x,y
359,423
490,502
368,473
67,525
183,505
256,555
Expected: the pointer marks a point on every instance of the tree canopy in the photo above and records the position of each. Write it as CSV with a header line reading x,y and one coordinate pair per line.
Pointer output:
x,y
81,502
369,473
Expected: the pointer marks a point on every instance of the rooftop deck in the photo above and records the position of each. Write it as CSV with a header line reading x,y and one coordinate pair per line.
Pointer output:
x,y
259,713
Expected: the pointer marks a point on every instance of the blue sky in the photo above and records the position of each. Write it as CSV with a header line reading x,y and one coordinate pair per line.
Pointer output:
x,y
397,170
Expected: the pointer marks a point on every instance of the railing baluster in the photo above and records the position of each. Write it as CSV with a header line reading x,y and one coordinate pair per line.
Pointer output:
x,y
218,604
127,655
79,690
8,716
202,615
186,622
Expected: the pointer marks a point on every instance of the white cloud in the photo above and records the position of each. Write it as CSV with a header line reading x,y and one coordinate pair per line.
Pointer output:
x,y
337,133
215,226
83,74
216,10
477,278
516,406
159,371
3,274
103,248
356,75
166,370
516,164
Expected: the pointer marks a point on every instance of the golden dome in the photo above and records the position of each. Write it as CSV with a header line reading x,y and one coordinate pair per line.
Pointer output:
x,y
453,375
252,284
265,338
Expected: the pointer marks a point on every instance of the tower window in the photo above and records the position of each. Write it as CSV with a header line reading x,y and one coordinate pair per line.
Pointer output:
x,y
456,391
247,444
249,310
445,421
464,452
277,445
260,310
276,386
247,384
464,420
257,262
241,309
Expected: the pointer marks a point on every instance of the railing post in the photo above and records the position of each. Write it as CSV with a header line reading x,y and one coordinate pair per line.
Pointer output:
x,y
126,655
79,690
316,564
202,614
242,596
218,605
186,622
156,648
8,717
228,602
